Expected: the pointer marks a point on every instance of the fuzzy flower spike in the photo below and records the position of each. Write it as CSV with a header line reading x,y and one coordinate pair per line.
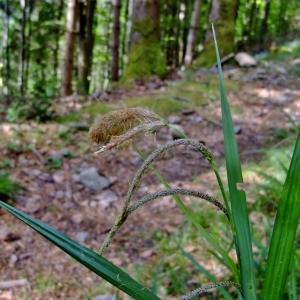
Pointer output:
x,y
118,127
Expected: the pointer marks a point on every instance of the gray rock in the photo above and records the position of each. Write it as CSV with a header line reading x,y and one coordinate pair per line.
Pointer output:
x,y
92,180
61,154
175,132
104,297
245,60
136,161
82,236
174,120
58,177
77,218
106,198
237,129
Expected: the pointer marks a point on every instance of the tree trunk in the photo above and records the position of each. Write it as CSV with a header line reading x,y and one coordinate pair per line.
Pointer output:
x,y
222,14
186,25
56,47
22,58
145,55
115,40
28,39
125,33
7,50
173,32
72,15
264,25
192,37
86,44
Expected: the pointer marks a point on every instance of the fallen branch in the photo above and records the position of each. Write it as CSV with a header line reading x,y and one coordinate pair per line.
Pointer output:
x,y
9,284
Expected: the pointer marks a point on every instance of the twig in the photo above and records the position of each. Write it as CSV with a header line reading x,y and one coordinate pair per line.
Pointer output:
x,y
13,283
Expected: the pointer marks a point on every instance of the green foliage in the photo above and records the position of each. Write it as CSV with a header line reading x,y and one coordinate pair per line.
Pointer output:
x,y
8,187
55,163
237,196
37,108
282,245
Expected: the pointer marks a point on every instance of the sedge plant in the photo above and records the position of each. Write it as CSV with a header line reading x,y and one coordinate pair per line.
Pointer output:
x,y
119,127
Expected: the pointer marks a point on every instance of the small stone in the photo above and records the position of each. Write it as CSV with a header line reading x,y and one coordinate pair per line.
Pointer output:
x,y
36,172
46,177
3,233
92,180
237,129
176,132
295,62
59,195
245,60
187,112
106,198
58,177
174,120
61,154
77,218
196,119
82,236
12,260
104,297
136,161
93,204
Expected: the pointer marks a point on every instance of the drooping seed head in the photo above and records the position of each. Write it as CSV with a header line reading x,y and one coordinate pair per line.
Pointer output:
x,y
117,123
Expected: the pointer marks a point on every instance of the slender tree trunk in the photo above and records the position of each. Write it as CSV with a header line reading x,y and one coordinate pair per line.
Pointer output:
x,y
28,39
125,34
186,25
22,57
72,15
192,37
86,44
172,33
264,25
115,40
56,47
7,50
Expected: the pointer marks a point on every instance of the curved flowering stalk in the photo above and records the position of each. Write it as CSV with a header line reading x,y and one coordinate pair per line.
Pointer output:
x,y
207,155
184,192
205,288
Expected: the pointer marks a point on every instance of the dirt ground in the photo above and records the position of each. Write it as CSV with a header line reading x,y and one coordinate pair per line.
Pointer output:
x,y
267,99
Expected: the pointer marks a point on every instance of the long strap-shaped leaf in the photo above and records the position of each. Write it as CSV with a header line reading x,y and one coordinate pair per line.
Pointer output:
x,y
282,248
86,257
237,197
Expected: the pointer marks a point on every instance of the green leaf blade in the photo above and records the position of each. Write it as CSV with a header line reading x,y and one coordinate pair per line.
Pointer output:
x,y
237,197
284,233
85,256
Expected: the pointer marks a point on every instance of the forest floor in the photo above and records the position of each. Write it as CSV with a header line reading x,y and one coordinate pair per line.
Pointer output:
x,y
48,158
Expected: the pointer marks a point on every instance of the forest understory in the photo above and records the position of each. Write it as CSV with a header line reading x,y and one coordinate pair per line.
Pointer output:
x,y
49,160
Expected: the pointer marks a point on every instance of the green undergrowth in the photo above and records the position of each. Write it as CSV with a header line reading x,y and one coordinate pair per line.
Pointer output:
x,y
180,95
168,271
8,187
264,181
285,52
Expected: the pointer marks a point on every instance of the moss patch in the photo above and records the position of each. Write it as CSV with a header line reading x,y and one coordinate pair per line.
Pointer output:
x,y
145,59
162,105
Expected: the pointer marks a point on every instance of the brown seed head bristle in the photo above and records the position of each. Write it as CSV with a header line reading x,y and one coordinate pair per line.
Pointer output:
x,y
119,122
